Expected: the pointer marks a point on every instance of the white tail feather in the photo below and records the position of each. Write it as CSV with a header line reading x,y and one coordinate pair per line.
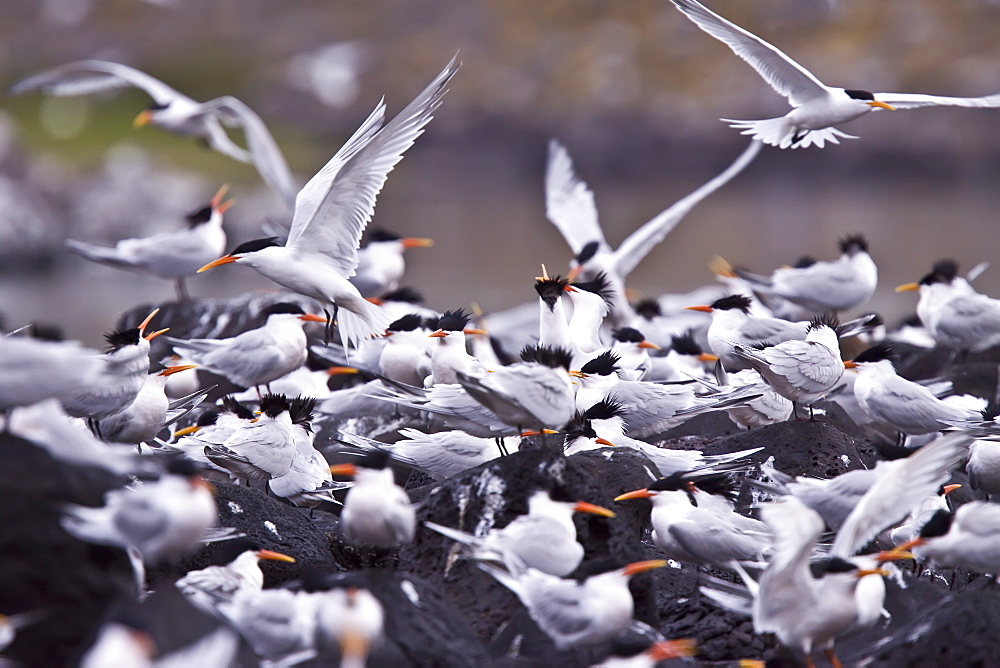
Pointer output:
x,y
782,133
361,320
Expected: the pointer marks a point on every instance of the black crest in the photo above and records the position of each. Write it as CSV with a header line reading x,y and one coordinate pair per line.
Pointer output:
x,y
550,356
255,245
605,409
550,289
938,525
855,94
685,344
283,307
675,482
628,335
199,217
648,308
181,466
376,459
579,426
599,286
561,494
236,408
719,484
854,243
208,418
603,365
453,321
408,323
378,234
804,262
741,302
588,251
119,338
835,565
301,411
991,411
273,404
825,320
877,353
228,550
404,294
947,269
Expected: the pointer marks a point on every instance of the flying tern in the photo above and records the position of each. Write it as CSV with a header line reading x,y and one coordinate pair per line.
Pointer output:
x,y
816,108
176,113
174,254
331,213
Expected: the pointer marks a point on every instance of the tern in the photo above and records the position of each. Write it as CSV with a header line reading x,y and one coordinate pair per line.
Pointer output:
x,y
349,620
450,357
404,357
544,539
261,450
816,107
32,370
818,287
236,568
377,512
173,254
632,349
984,467
381,264
967,537
331,213
308,482
768,408
142,419
258,356
583,612
569,205
176,113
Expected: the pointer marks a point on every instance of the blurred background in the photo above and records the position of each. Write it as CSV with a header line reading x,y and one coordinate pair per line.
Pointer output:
x,y
632,88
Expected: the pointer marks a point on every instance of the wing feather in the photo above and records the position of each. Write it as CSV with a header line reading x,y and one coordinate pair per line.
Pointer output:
x,y
569,202
83,77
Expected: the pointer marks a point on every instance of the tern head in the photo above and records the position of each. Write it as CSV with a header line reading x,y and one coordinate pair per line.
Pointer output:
x,y
451,322
632,335
868,98
827,320
553,357
604,364
580,427
807,261
229,550
404,294
648,308
245,252
120,338
607,408
378,235
550,289
230,404
215,206
273,405
560,495
944,272
730,303
408,323
686,344
600,286
880,352
301,411
290,308
148,115
851,245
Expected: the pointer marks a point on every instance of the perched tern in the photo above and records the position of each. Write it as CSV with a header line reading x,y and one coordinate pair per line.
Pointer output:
x,y
32,370
769,408
589,610
449,356
263,449
175,254
632,349
377,512
816,108
818,287
258,356
544,539
176,113
349,620
308,482
142,419
332,211
404,358
569,205
381,264
984,467
237,568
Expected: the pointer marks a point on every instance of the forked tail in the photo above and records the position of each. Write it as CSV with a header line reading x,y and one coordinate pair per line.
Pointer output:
x,y
781,132
361,320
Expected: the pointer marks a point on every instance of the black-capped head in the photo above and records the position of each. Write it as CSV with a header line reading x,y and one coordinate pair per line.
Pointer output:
x,y
404,294
628,335
600,286
255,245
408,323
648,308
283,307
853,244
855,94
559,493
155,368
594,567
228,550
605,409
199,217
578,427
273,405
825,320
880,351
301,411
208,418
804,262
550,356
236,408
182,467
719,484
121,338
604,364
733,303
46,332
379,234
675,482
158,106
938,525
453,321
685,344
588,251
991,411
834,565
550,289
376,459
947,269
430,322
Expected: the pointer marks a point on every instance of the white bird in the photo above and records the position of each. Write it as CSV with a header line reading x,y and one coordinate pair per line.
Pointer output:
x,y
142,419
569,205
308,482
449,356
769,408
277,623
236,567
176,113
261,450
349,620
818,287
889,399
377,512
632,349
699,526
404,358
969,537
332,211
816,108
583,612
801,371
380,263
174,254
163,519
984,467
258,356
544,539
32,370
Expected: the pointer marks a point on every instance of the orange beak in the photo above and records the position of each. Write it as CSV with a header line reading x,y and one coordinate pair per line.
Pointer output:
x,y
948,489
850,365
532,432
641,566
881,105
217,202
149,318
476,332
584,507
439,334
900,551
603,441
343,469
648,344
708,357
144,118
312,317
186,430
341,370
274,556
864,572
672,649
170,370
636,494
907,287
573,273
225,259
416,242
703,309
153,335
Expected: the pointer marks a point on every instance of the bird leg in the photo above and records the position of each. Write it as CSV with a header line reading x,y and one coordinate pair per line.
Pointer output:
x,y
799,136
328,333
812,417
900,439
257,387
181,289
500,446
831,656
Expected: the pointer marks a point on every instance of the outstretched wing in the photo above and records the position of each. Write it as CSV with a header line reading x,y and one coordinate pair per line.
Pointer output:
x,y
83,77
569,202
916,100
